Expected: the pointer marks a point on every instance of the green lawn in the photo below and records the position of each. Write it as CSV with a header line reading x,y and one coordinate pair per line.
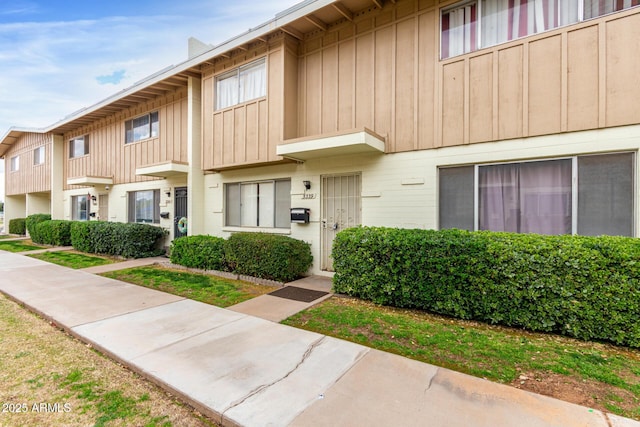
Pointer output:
x,y
608,376
72,259
200,287
19,246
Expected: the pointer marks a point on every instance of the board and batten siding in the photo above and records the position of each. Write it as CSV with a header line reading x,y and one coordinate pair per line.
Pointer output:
x,y
29,178
248,133
382,71
109,156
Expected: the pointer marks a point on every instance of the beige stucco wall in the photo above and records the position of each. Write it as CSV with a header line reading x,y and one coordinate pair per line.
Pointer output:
x,y
401,190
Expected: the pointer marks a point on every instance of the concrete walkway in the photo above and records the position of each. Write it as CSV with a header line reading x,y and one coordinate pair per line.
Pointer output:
x,y
246,371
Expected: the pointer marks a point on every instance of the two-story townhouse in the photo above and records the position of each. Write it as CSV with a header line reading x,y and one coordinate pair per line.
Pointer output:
x,y
510,115
124,159
513,115
32,181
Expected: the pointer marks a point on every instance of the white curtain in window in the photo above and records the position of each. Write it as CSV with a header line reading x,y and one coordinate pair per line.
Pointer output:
x,y
459,30
253,82
266,205
595,8
530,197
495,22
227,91
249,205
504,20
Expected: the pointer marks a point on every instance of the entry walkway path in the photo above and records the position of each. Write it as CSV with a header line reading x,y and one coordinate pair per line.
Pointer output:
x,y
246,371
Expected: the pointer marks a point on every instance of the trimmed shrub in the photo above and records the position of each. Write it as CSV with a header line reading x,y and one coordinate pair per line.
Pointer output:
x,y
17,226
54,232
267,256
32,223
81,236
128,240
204,252
584,287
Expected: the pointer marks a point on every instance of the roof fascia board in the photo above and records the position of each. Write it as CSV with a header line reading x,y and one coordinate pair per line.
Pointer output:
x,y
282,19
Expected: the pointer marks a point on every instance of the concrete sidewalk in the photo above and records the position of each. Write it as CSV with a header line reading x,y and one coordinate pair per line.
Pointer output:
x,y
245,371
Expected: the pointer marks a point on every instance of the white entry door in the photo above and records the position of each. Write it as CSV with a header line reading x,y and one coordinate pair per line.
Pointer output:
x,y
340,209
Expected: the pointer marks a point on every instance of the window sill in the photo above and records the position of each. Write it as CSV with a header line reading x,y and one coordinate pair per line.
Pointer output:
x,y
257,230
151,138
240,105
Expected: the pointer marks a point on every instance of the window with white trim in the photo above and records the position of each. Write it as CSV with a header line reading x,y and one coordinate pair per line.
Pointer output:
x,y
588,195
80,208
15,163
79,146
258,204
471,25
38,156
143,127
241,85
144,206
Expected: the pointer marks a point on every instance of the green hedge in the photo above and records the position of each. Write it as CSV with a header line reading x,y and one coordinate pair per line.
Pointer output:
x,y
584,287
17,226
53,232
32,223
267,256
128,240
204,252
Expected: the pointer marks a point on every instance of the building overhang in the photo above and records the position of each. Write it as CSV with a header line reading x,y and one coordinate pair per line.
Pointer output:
x,y
164,170
349,143
12,136
90,180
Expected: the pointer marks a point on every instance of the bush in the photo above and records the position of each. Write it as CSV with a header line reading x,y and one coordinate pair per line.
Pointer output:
x,y
204,252
54,232
81,236
584,287
267,256
17,226
32,223
128,240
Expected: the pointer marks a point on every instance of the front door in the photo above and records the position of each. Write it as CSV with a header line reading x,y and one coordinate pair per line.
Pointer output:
x,y
180,202
103,208
340,209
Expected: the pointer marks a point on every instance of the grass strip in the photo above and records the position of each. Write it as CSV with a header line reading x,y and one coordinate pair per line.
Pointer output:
x,y
19,246
72,259
608,376
51,379
199,287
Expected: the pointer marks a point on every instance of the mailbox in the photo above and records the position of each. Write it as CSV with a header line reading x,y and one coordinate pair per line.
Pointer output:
x,y
300,215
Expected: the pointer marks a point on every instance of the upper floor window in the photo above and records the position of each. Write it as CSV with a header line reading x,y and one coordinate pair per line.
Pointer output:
x,y
472,25
79,146
142,127
242,84
38,156
144,206
258,204
15,163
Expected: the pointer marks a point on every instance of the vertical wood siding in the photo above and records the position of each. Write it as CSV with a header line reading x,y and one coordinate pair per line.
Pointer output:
x,y
109,156
383,72
249,132
29,178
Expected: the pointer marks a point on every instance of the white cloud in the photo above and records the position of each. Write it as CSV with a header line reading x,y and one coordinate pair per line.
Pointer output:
x,y
51,69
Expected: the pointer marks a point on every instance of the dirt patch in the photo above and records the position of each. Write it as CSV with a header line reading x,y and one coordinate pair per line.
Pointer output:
x,y
589,393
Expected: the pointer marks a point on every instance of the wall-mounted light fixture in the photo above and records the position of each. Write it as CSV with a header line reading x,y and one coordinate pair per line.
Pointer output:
x,y
167,191
307,185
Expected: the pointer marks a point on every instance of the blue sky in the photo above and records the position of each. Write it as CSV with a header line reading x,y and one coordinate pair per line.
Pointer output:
x,y
57,57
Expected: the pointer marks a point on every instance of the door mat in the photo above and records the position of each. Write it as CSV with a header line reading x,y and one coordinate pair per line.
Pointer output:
x,y
298,294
